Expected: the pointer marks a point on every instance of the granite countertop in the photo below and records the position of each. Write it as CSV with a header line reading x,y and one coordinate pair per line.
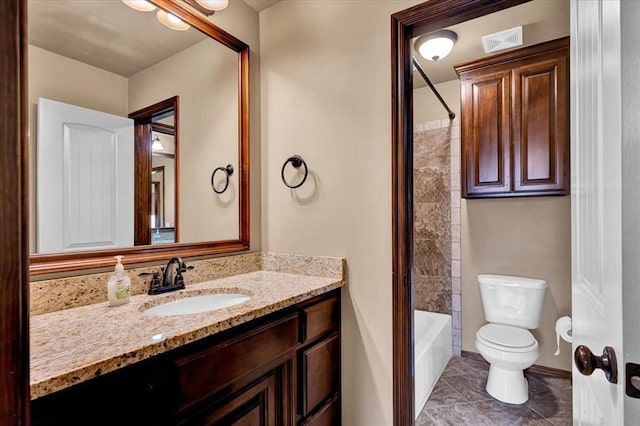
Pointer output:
x,y
74,345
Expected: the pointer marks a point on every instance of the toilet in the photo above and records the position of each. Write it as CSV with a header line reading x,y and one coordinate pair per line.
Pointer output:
x,y
512,306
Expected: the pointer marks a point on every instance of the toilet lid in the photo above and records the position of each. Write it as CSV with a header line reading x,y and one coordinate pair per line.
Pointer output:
x,y
506,335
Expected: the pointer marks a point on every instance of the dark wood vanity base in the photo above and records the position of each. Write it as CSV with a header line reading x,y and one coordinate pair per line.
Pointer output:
x,y
281,369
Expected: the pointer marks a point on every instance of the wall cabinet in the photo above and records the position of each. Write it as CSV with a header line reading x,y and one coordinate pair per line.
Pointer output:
x,y
515,122
283,369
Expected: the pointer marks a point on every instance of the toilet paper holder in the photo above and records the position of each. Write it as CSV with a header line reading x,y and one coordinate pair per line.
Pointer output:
x,y
563,329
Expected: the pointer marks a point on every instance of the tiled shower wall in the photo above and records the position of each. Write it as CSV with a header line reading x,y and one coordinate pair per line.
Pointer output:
x,y
436,180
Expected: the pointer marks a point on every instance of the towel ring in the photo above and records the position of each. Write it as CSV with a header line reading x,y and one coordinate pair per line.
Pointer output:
x,y
228,171
296,161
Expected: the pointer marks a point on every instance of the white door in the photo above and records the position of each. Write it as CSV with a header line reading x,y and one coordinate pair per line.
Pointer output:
x,y
84,179
596,163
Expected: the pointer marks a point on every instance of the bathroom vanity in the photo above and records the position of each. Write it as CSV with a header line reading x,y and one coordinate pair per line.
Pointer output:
x,y
272,360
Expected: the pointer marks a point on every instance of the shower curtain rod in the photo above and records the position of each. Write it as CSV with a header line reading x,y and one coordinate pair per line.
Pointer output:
x,y
452,114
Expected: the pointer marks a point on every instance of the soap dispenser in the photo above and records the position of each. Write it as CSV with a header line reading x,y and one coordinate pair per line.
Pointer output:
x,y
119,285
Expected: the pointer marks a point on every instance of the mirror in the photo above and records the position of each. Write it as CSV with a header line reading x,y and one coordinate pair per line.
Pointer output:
x,y
139,116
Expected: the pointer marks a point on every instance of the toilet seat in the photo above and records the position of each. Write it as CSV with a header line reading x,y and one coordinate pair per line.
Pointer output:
x,y
506,338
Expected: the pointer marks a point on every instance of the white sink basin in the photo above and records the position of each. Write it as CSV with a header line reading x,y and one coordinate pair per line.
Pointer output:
x,y
197,304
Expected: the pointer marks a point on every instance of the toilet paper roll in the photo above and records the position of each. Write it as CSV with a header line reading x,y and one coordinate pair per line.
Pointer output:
x,y
563,329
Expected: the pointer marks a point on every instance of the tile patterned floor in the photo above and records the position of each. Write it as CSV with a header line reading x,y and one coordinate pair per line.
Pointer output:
x,y
460,398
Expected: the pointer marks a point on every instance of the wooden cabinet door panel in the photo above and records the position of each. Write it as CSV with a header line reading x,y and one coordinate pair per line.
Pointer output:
x,y
540,128
253,406
320,376
486,135
329,415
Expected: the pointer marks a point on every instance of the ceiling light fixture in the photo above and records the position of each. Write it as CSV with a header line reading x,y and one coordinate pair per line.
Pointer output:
x,y
171,21
215,5
141,5
436,45
156,145
208,7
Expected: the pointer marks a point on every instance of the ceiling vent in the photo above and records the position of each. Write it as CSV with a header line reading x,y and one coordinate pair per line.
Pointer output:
x,y
502,40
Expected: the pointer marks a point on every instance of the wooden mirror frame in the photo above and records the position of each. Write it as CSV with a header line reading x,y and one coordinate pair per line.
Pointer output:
x,y
59,262
405,25
14,216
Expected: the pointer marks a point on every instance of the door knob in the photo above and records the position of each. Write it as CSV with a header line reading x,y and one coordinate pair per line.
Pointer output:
x,y
587,362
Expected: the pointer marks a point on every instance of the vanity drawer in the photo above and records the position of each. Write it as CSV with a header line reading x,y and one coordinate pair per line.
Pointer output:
x,y
208,370
319,319
320,378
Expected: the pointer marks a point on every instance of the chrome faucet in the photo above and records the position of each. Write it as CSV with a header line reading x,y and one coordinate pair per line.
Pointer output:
x,y
169,282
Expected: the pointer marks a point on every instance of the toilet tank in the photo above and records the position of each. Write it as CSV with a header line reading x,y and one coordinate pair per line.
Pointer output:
x,y
512,300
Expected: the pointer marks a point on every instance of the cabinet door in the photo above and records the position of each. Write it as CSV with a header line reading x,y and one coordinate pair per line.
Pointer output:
x,y
257,405
328,415
320,378
486,134
138,394
540,127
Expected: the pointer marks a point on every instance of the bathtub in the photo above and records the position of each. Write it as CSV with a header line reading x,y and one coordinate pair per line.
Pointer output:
x,y
432,348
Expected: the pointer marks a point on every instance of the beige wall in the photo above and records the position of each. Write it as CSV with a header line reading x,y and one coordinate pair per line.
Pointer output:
x,y
205,77
243,22
325,79
528,237
426,107
59,78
